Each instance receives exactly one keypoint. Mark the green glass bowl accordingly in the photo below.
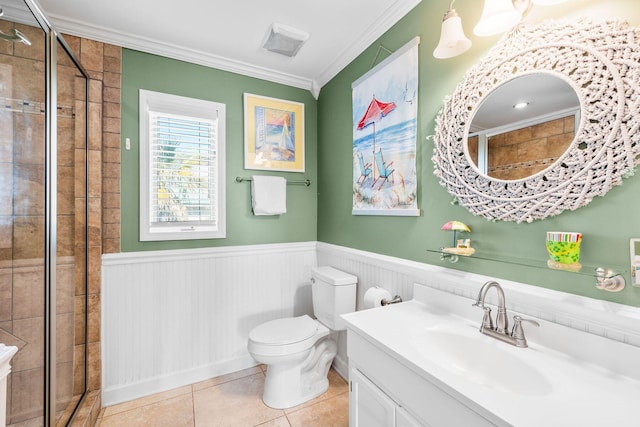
(563, 252)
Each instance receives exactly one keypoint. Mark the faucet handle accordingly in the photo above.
(518, 332)
(487, 323)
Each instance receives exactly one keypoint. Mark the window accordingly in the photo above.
(182, 168)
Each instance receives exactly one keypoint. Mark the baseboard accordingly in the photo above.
(125, 393)
(341, 366)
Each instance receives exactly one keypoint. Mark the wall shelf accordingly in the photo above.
(600, 273)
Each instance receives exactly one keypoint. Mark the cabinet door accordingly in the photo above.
(403, 419)
(368, 405)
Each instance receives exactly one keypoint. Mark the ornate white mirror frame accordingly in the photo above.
(601, 61)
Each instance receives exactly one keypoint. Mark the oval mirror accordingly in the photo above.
(523, 126)
(593, 59)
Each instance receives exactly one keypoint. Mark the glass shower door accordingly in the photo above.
(71, 242)
(22, 211)
(43, 226)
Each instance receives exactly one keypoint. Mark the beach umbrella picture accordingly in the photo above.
(375, 112)
(384, 127)
(455, 226)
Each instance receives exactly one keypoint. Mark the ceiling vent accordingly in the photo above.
(284, 40)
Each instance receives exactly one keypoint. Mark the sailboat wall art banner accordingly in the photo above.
(273, 134)
(385, 123)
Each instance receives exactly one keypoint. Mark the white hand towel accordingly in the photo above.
(268, 195)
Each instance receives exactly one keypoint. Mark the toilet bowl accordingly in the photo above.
(298, 358)
(298, 351)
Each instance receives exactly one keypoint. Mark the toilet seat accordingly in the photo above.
(286, 336)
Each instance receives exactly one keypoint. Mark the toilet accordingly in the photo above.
(298, 351)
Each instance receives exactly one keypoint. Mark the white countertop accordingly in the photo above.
(565, 377)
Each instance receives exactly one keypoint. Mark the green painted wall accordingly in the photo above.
(323, 211)
(152, 72)
(607, 223)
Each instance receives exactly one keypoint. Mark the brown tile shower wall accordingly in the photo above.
(103, 62)
(22, 219)
(524, 152)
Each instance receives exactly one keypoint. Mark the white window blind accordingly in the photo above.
(182, 184)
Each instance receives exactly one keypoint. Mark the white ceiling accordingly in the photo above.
(228, 34)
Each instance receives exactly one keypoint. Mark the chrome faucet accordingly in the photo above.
(501, 318)
(500, 331)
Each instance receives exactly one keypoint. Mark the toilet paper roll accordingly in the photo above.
(374, 296)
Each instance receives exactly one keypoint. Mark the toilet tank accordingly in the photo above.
(333, 293)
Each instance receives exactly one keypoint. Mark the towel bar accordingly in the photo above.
(306, 182)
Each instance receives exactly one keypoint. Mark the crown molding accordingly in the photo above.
(389, 18)
(143, 44)
(21, 15)
(131, 41)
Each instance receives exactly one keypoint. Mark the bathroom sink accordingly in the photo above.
(481, 360)
(443, 369)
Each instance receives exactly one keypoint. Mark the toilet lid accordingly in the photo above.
(284, 331)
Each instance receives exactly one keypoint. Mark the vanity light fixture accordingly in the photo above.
(453, 41)
(497, 17)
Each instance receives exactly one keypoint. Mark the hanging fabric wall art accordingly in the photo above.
(385, 105)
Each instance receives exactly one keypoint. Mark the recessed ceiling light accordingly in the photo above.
(284, 40)
(520, 105)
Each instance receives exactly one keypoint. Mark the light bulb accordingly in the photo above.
(497, 17)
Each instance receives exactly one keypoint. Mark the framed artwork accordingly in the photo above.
(385, 123)
(273, 134)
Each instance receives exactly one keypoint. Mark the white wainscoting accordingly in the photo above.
(171, 318)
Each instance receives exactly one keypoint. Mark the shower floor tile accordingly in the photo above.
(233, 400)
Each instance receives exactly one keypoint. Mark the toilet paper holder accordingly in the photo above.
(393, 300)
(376, 296)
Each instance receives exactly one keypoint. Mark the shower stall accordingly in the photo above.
(43, 217)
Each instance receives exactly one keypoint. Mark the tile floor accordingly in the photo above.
(233, 400)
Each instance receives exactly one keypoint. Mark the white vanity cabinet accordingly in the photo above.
(424, 363)
(403, 419)
(369, 406)
(385, 392)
